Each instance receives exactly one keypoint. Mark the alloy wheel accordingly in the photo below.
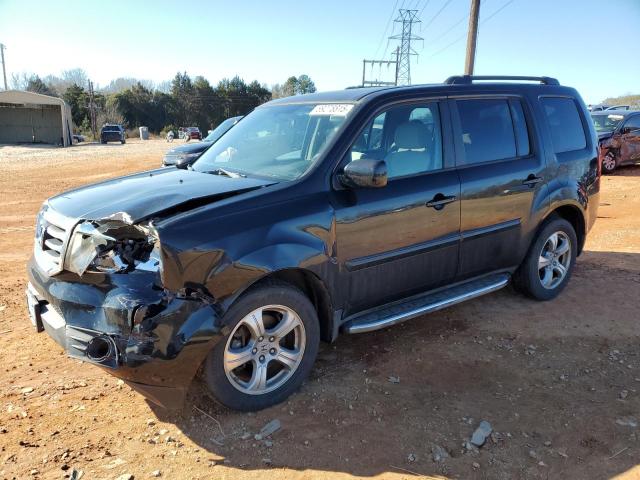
(554, 260)
(264, 350)
(609, 162)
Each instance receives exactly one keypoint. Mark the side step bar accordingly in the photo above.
(416, 306)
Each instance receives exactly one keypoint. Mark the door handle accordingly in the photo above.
(532, 180)
(440, 200)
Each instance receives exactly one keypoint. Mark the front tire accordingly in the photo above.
(270, 350)
(609, 163)
(547, 268)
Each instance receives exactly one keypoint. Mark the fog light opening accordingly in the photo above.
(99, 349)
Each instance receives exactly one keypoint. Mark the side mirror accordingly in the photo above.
(182, 165)
(366, 173)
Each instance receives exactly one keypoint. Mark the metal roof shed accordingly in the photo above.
(27, 117)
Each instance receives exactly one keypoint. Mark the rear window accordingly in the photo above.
(565, 125)
(487, 130)
(111, 129)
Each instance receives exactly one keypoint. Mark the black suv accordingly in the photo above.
(334, 212)
(112, 133)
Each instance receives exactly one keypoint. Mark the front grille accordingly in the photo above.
(52, 236)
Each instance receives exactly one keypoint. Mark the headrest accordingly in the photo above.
(411, 136)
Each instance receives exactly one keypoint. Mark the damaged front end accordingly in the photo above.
(112, 247)
(96, 287)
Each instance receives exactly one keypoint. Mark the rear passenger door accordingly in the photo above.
(502, 174)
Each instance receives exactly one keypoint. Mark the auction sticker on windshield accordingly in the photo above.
(340, 109)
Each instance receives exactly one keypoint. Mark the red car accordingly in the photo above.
(619, 137)
(192, 133)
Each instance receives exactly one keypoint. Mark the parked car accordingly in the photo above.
(327, 213)
(185, 155)
(112, 133)
(192, 133)
(619, 137)
(78, 138)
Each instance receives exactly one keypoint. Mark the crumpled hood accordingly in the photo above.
(136, 197)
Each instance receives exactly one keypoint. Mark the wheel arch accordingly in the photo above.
(310, 284)
(575, 216)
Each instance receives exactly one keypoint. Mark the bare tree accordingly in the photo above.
(75, 75)
(164, 86)
(20, 81)
(124, 83)
(109, 114)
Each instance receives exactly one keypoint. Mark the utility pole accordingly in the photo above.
(377, 82)
(472, 37)
(92, 110)
(4, 71)
(407, 18)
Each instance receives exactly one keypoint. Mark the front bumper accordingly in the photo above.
(157, 340)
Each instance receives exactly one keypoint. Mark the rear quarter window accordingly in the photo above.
(565, 124)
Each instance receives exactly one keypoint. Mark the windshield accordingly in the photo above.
(606, 123)
(281, 142)
(221, 129)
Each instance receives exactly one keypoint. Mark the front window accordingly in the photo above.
(278, 142)
(606, 123)
(407, 137)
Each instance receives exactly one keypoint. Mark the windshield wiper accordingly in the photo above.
(226, 173)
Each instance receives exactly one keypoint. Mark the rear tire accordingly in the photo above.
(547, 268)
(270, 349)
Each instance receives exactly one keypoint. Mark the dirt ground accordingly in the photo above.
(559, 382)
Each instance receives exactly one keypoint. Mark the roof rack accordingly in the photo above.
(469, 79)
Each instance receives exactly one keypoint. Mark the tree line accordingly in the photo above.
(181, 102)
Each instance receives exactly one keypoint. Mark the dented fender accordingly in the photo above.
(230, 255)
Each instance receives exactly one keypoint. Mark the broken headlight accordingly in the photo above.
(112, 247)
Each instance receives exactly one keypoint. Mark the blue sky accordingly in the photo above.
(326, 39)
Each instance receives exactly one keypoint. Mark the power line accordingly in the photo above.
(425, 6)
(437, 14)
(444, 34)
(465, 34)
(496, 12)
(386, 28)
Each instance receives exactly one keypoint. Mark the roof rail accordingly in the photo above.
(469, 79)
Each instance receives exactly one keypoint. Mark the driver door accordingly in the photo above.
(630, 140)
(403, 238)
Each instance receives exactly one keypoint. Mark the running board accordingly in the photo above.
(398, 312)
